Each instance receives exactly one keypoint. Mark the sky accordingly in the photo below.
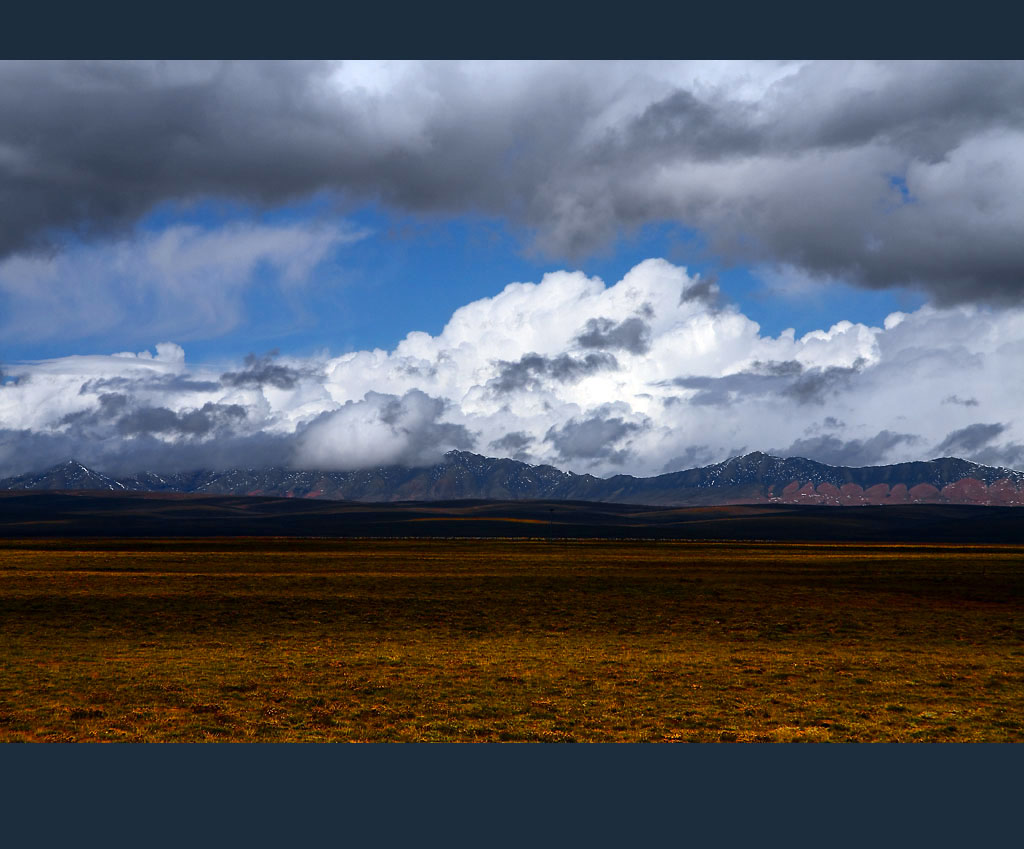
(609, 267)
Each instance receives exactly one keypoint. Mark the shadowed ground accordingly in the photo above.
(117, 514)
(273, 640)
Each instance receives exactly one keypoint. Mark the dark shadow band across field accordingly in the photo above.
(140, 515)
(330, 639)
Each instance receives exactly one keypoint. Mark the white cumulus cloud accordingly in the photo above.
(650, 373)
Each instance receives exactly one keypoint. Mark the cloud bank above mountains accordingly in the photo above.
(653, 373)
(878, 174)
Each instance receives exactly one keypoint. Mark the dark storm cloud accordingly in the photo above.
(692, 458)
(704, 291)
(632, 335)
(963, 402)
(1010, 455)
(881, 174)
(167, 383)
(787, 379)
(91, 146)
(854, 452)
(777, 368)
(761, 379)
(530, 369)
(683, 124)
(928, 106)
(263, 370)
(189, 423)
(592, 438)
(724, 391)
(24, 451)
(513, 445)
(111, 405)
(814, 385)
(115, 413)
(515, 441)
(973, 443)
(968, 440)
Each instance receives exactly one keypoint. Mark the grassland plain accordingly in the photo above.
(499, 640)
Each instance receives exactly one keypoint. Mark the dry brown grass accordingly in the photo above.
(275, 640)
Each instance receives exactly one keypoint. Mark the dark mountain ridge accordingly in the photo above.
(754, 478)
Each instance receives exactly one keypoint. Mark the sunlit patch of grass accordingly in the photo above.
(290, 640)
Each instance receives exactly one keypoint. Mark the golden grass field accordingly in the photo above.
(495, 640)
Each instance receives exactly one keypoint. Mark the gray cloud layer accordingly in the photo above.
(882, 174)
(787, 379)
(37, 451)
(191, 423)
(831, 449)
(531, 369)
(596, 436)
(632, 334)
(263, 370)
(512, 445)
(967, 441)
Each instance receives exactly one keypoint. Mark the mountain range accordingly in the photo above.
(754, 478)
